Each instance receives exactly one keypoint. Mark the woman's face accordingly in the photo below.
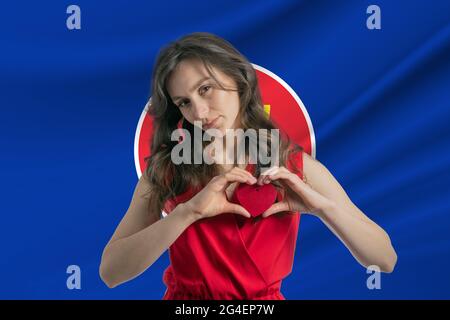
(200, 98)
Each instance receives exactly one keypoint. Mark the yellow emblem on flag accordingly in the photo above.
(267, 110)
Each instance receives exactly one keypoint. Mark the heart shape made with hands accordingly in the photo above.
(255, 198)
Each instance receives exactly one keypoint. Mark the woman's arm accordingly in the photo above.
(367, 241)
(325, 198)
(140, 239)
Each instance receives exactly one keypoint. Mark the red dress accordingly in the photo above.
(230, 257)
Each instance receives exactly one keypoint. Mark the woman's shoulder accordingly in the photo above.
(307, 167)
(304, 165)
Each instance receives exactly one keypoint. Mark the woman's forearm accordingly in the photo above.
(368, 242)
(126, 258)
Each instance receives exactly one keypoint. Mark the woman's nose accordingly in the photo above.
(200, 110)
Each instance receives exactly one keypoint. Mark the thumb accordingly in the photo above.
(275, 208)
(235, 208)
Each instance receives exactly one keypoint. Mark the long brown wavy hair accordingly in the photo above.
(166, 178)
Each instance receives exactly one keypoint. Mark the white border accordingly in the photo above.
(257, 67)
(136, 140)
(298, 100)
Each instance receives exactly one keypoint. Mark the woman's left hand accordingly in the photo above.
(297, 195)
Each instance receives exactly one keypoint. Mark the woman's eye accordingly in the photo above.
(204, 89)
(181, 105)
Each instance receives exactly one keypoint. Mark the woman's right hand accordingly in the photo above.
(212, 199)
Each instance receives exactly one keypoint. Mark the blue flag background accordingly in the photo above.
(71, 100)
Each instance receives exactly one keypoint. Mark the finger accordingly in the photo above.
(300, 178)
(275, 208)
(265, 172)
(242, 177)
(248, 176)
(264, 179)
(270, 170)
(282, 168)
(225, 180)
(243, 172)
(231, 178)
(289, 178)
(237, 209)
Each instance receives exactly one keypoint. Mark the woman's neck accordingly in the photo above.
(225, 159)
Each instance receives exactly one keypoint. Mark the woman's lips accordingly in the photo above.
(212, 124)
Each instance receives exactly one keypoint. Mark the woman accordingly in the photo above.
(217, 250)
